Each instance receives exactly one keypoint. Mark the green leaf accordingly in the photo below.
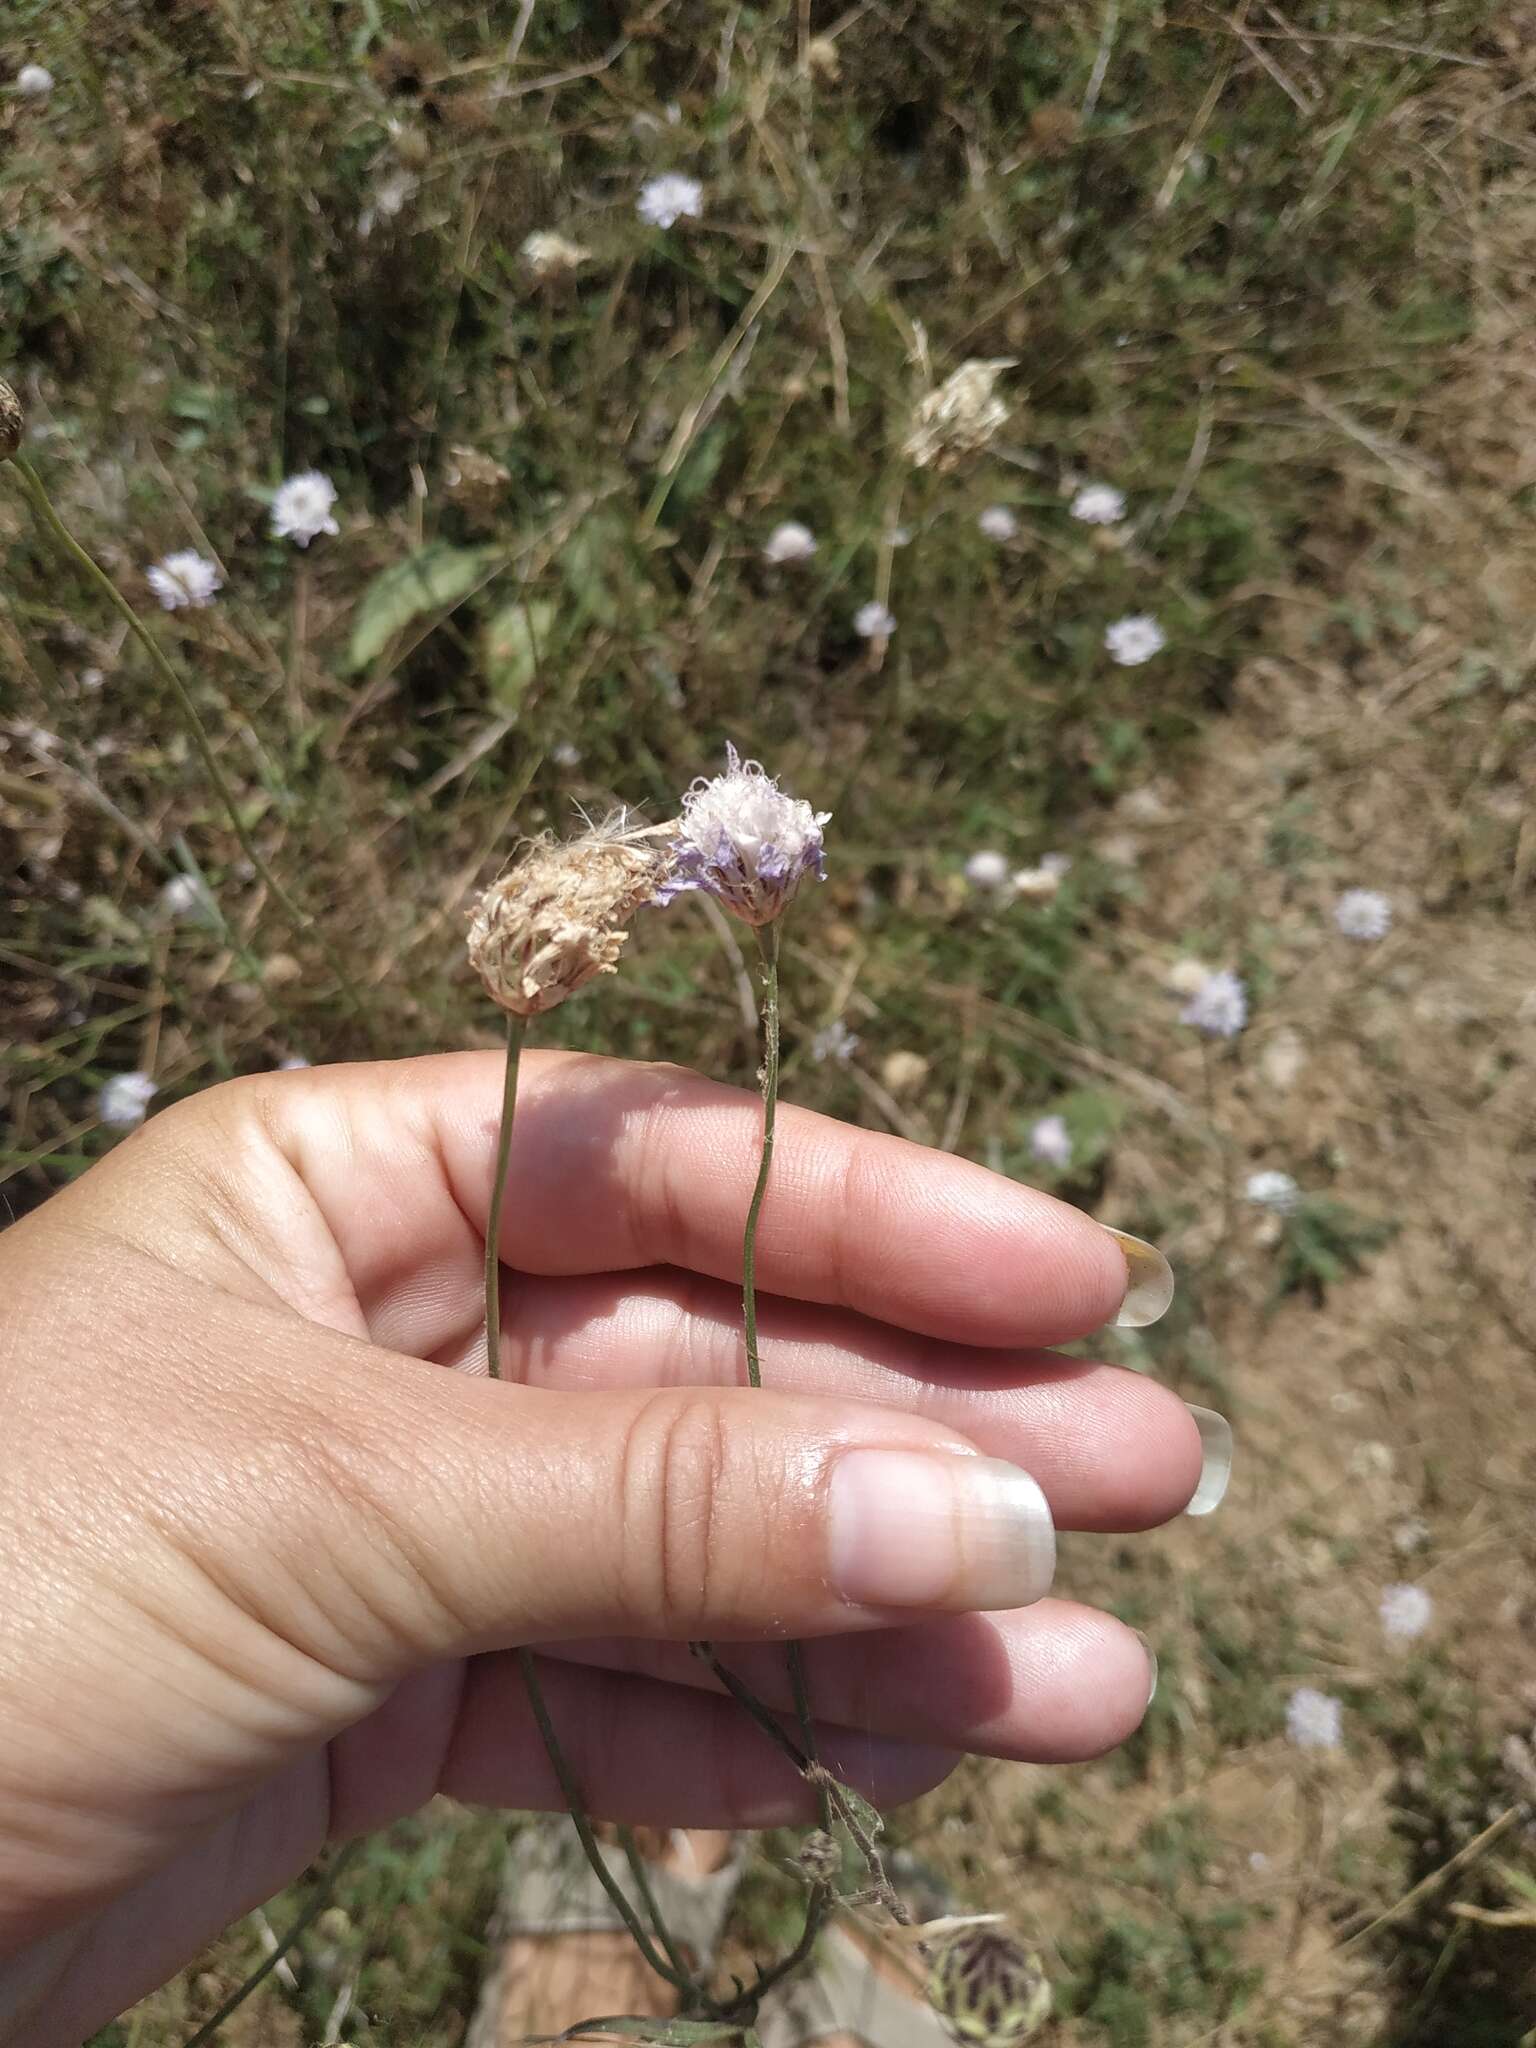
(582, 563)
(857, 1811)
(433, 578)
(514, 643)
(702, 462)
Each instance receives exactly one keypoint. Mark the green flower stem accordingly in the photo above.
(768, 946)
(299, 920)
(642, 1882)
(575, 1804)
(325, 1891)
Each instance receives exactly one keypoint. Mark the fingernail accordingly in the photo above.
(1216, 1460)
(946, 1532)
(1146, 1644)
(1149, 1282)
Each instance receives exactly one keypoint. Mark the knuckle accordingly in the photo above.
(674, 1483)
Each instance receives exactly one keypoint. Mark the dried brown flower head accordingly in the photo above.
(476, 483)
(559, 917)
(960, 417)
(12, 421)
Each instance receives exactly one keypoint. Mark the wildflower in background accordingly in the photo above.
(998, 523)
(1272, 1189)
(124, 1099)
(1040, 884)
(550, 255)
(903, 1072)
(565, 754)
(1405, 1611)
(898, 536)
(986, 870)
(1363, 914)
(1099, 505)
(1313, 1719)
(989, 1988)
(295, 1063)
(743, 840)
(874, 621)
(960, 417)
(1132, 640)
(1411, 1534)
(559, 916)
(1050, 1141)
(184, 578)
(834, 1042)
(182, 895)
(1219, 1006)
(34, 82)
(665, 200)
(789, 542)
(301, 507)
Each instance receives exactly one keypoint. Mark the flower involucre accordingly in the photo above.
(559, 918)
(960, 417)
(742, 839)
(989, 1987)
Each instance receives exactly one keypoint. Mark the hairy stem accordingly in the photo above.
(560, 1763)
(299, 920)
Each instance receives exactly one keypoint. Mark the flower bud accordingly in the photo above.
(12, 421)
(989, 1988)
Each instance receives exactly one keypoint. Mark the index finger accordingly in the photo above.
(618, 1166)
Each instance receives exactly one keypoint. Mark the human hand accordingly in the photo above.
(267, 1532)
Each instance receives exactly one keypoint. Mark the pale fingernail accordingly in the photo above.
(1146, 1644)
(946, 1532)
(1149, 1282)
(1215, 1460)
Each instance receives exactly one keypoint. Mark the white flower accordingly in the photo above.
(565, 754)
(1271, 1189)
(1050, 1141)
(292, 1065)
(986, 870)
(1363, 914)
(743, 840)
(1039, 884)
(898, 536)
(184, 578)
(1405, 1611)
(1219, 1006)
(1099, 505)
(1410, 1534)
(301, 507)
(666, 199)
(998, 523)
(551, 255)
(789, 542)
(834, 1041)
(1313, 1719)
(182, 895)
(387, 200)
(1134, 639)
(960, 417)
(34, 82)
(873, 621)
(124, 1099)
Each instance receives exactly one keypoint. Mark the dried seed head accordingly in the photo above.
(989, 1988)
(12, 421)
(960, 417)
(820, 1859)
(558, 918)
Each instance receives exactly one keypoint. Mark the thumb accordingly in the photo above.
(470, 1514)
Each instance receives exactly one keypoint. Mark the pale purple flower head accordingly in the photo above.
(34, 81)
(1272, 1189)
(184, 579)
(743, 840)
(1313, 1719)
(1219, 1006)
(124, 1099)
(1405, 1612)
(1363, 914)
(1099, 505)
(790, 541)
(301, 507)
(998, 523)
(835, 1042)
(987, 869)
(874, 621)
(665, 199)
(1134, 639)
(1050, 1141)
